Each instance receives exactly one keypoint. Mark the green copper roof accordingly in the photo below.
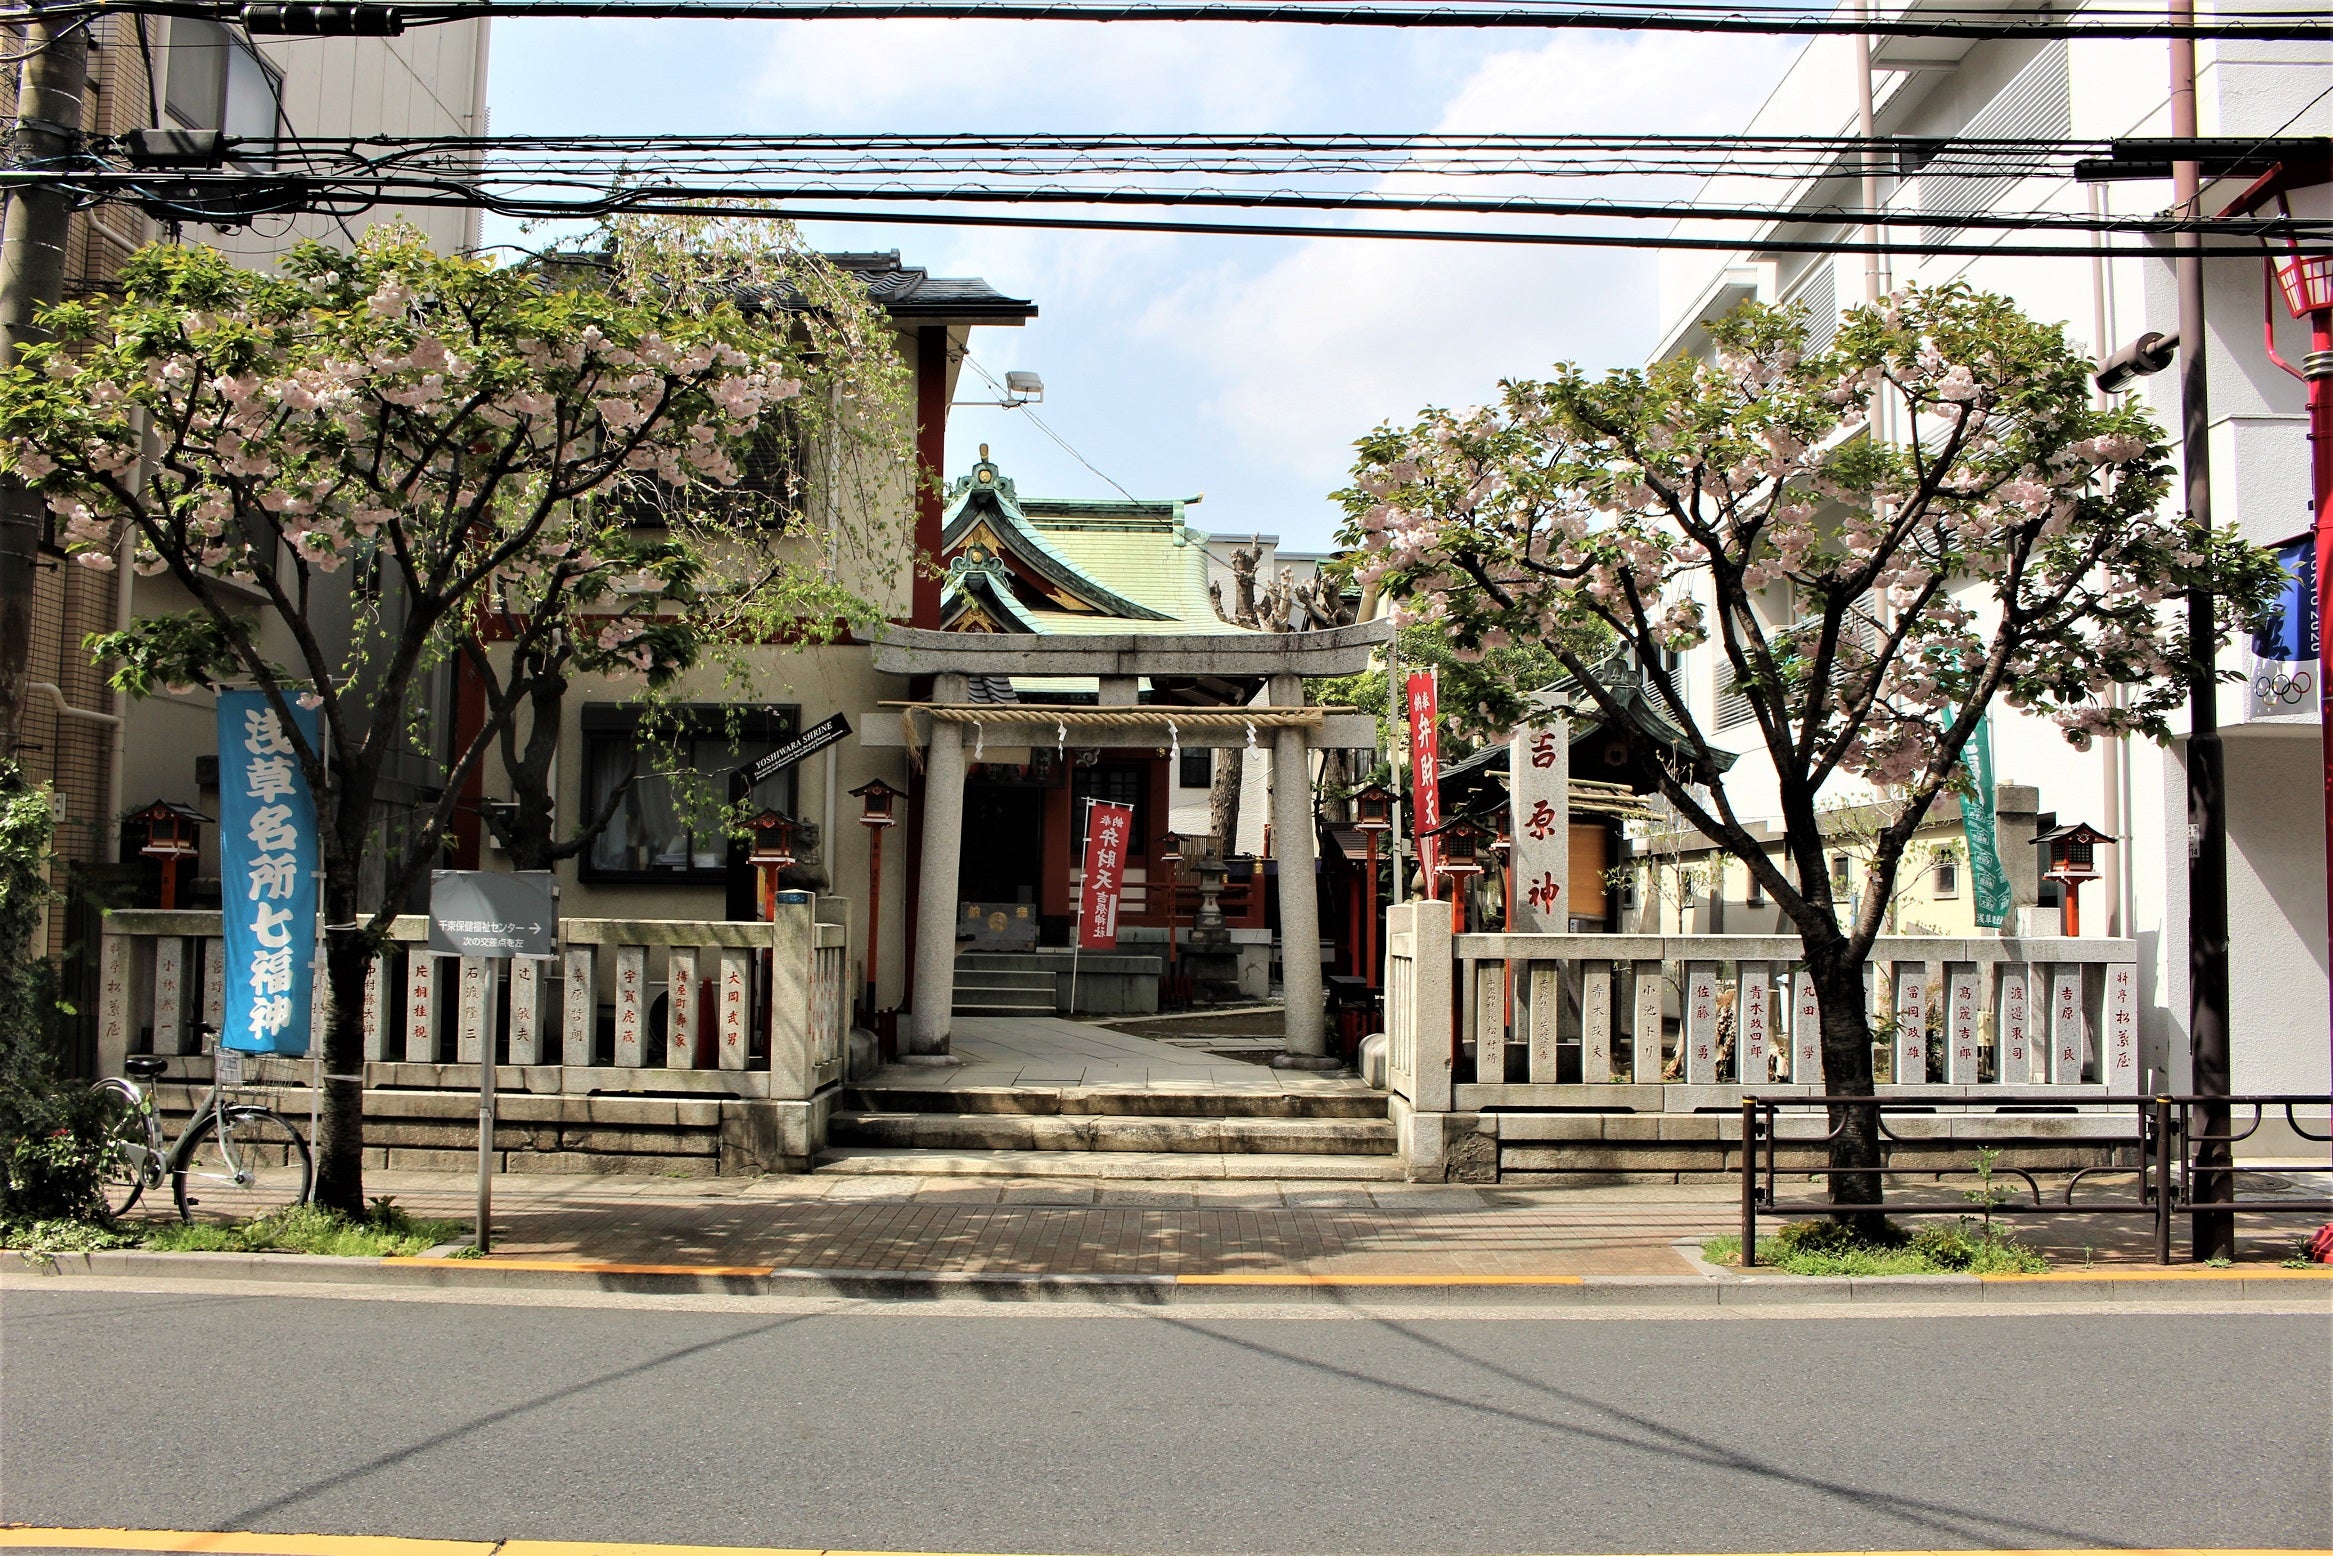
(1127, 561)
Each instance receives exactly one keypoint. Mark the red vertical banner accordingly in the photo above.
(1425, 772)
(1108, 829)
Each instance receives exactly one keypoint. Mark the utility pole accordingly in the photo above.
(2214, 1231)
(32, 276)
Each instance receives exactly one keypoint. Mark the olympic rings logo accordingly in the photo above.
(2290, 690)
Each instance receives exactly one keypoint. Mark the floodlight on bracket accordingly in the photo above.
(1020, 388)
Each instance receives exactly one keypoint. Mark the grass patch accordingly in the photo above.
(1827, 1248)
(382, 1231)
(45, 1238)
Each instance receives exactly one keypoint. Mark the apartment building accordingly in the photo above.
(1938, 89)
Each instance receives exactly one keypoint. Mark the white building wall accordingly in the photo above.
(2260, 482)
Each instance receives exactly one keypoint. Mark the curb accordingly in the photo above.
(423, 1272)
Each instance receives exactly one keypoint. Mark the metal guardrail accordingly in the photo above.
(2170, 1172)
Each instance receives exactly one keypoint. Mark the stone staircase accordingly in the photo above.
(1003, 983)
(1098, 1132)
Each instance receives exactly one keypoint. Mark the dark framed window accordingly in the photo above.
(659, 831)
(1198, 768)
(1118, 783)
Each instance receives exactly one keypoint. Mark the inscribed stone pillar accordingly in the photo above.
(1292, 841)
(1539, 797)
(934, 994)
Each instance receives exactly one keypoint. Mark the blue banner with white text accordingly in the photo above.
(267, 876)
(2282, 664)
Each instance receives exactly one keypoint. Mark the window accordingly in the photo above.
(1119, 783)
(659, 830)
(773, 481)
(1948, 877)
(1841, 876)
(1198, 768)
(215, 81)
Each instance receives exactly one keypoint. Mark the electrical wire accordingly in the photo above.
(1965, 21)
(1043, 425)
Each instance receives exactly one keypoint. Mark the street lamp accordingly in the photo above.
(2307, 283)
(877, 805)
(1373, 818)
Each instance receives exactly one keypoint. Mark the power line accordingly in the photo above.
(539, 196)
(1967, 21)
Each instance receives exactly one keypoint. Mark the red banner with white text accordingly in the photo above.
(1425, 772)
(1108, 830)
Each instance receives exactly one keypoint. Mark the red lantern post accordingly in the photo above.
(877, 811)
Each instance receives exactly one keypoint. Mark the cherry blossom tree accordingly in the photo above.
(348, 466)
(1874, 541)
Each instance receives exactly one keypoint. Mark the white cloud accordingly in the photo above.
(1308, 352)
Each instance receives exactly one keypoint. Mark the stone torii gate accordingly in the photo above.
(1281, 660)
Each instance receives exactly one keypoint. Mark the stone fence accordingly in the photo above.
(1544, 1053)
(744, 1025)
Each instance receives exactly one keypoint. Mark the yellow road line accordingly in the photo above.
(2157, 1272)
(245, 1543)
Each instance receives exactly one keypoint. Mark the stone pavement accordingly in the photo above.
(1072, 1227)
(1049, 1051)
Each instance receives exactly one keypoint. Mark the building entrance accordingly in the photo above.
(1004, 843)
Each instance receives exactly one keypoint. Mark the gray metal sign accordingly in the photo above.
(489, 913)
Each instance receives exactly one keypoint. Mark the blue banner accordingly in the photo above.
(267, 876)
(2282, 666)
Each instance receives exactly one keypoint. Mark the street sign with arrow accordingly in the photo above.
(493, 914)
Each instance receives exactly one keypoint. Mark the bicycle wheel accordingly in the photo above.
(256, 1165)
(130, 1151)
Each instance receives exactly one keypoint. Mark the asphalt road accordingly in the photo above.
(893, 1428)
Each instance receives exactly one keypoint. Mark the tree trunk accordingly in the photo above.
(1223, 799)
(340, 1143)
(1846, 1026)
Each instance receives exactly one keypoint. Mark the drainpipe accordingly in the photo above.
(1874, 274)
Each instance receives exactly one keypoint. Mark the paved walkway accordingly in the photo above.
(1085, 1227)
(1048, 1051)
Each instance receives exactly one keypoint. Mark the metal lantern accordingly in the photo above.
(773, 841)
(1461, 848)
(1373, 808)
(2070, 865)
(877, 802)
(172, 831)
(2307, 280)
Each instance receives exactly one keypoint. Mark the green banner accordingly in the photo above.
(1987, 880)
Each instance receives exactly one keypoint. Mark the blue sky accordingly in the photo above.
(1238, 367)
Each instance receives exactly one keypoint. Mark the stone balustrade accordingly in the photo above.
(1497, 1027)
(671, 1008)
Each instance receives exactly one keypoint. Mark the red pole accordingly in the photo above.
(1369, 918)
(2317, 367)
(874, 918)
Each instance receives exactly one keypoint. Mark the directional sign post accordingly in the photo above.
(499, 916)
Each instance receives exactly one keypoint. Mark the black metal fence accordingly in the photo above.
(2177, 1168)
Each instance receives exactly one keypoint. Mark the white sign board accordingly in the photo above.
(1539, 777)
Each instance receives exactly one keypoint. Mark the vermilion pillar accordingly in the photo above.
(931, 460)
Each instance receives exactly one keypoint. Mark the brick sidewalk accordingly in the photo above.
(1056, 1226)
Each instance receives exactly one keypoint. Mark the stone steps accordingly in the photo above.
(1086, 1133)
(1144, 1166)
(1147, 1103)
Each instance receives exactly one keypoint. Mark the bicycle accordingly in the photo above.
(237, 1158)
